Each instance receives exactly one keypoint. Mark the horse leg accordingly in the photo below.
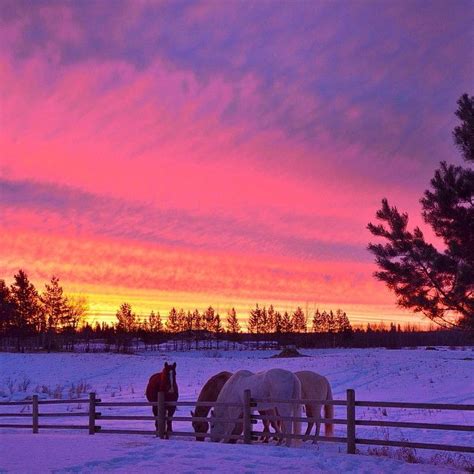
(275, 423)
(169, 423)
(286, 427)
(309, 414)
(318, 422)
(238, 429)
(272, 423)
(155, 413)
(266, 427)
(279, 427)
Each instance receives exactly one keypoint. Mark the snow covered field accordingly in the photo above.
(442, 376)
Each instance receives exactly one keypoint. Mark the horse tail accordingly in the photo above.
(329, 414)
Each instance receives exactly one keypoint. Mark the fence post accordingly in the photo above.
(351, 418)
(35, 413)
(92, 402)
(161, 422)
(247, 418)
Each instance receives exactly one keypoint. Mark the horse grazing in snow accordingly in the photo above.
(271, 384)
(313, 387)
(209, 393)
(164, 381)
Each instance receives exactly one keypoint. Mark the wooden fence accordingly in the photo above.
(247, 419)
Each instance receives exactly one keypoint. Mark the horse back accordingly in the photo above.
(213, 387)
(313, 385)
(234, 387)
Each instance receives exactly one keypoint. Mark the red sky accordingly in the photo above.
(224, 153)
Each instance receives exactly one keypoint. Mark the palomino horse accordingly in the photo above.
(313, 387)
(209, 393)
(164, 381)
(272, 384)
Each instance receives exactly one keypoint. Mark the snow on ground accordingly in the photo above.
(68, 453)
(442, 376)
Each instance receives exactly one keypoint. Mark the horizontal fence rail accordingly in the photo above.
(303, 401)
(427, 406)
(247, 418)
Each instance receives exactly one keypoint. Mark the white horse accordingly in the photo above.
(272, 384)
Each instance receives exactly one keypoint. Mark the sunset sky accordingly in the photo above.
(221, 152)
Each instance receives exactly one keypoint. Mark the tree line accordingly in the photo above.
(262, 320)
(51, 320)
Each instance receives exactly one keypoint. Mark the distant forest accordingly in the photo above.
(53, 321)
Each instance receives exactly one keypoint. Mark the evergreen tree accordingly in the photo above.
(208, 319)
(438, 284)
(197, 320)
(233, 325)
(7, 308)
(172, 323)
(264, 329)
(298, 320)
(127, 319)
(463, 134)
(286, 323)
(318, 322)
(331, 322)
(181, 320)
(343, 324)
(254, 323)
(189, 321)
(198, 326)
(271, 320)
(28, 315)
(278, 323)
(217, 326)
(154, 322)
(55, 307)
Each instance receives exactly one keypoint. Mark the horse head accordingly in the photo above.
(218, 429)
(199, 427)
(169, 378)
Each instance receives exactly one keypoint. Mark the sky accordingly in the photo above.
(227, 153)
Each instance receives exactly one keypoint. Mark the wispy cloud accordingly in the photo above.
(68, 211)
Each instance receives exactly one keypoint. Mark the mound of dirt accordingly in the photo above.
(288, 352)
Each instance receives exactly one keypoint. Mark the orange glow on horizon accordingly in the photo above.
(81, 262)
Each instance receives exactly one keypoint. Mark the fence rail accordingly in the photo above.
(246, 419)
